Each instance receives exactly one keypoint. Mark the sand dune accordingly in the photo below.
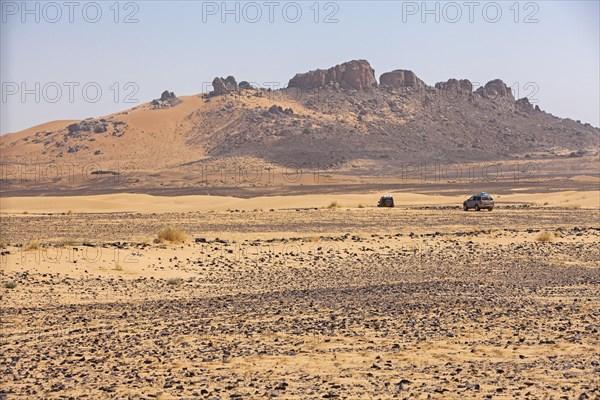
(124, 202)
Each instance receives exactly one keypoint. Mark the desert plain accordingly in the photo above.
(301, 297)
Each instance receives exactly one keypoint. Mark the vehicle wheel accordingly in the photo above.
(465, 208)
(490, 209)
(388, 203)
(477, 207)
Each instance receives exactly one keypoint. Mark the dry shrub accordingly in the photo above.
(175, 281)
(118, 267)
(544, 237)
(361, 206)
(10, 284)
(171, 234)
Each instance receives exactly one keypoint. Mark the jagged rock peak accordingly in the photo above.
(461, 85)
(495, 89)
(224, 85)
(166, 95)
(352, 75)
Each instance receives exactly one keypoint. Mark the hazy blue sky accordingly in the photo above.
(182, 46)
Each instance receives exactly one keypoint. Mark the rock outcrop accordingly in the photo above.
(454, 89)
(167, 99)
(223, 86)
(88, 125)
(495, 89)
(352, 75)
(524, 105)
(401, 78)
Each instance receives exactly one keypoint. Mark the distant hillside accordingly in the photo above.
(323, 118)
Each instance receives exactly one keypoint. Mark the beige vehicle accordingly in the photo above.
(479, 202)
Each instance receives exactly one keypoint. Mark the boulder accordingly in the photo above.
(275, 109)
(74, 128)
(401, 78)
(352, 75)
(495, 89)
(99, 128)
(245, 85)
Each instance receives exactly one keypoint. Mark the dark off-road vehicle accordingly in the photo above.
(386, 201)
(479, 202)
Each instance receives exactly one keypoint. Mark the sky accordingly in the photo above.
(79, 59)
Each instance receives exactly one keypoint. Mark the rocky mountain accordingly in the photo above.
(343, 113)
(323, 117)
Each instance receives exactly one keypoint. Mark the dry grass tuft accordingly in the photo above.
(474, 229)
(544, 237)
(35, 245)
(171, 234)
(558, 234)
(334, 204)
(361, 206)
(67, 243)
(118, 267)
